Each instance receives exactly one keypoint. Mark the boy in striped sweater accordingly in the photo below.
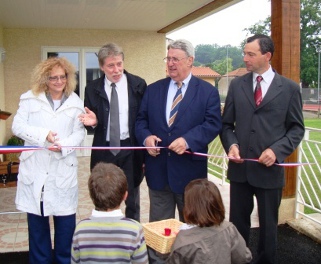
(107, 236)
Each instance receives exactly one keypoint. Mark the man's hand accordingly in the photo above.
(178, 146)
(89, 118)
(234, 154)
(152, 141)
(267, 157)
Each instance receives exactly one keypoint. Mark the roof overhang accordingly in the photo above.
(162, 16)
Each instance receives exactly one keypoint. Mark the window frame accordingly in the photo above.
(81, 60)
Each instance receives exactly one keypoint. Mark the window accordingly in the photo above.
(85, 61)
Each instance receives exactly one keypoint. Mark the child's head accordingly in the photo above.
(107, 186)
(203, 203)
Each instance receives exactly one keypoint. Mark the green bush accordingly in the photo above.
(15, 141)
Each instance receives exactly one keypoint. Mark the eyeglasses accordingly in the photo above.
(56, 78)
(173, 59)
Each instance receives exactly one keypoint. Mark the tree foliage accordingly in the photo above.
(215, 57)
(205, 53)
(222, 66)
(261, 27)
(310, 43)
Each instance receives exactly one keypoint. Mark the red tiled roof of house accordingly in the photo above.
(237, 72)
(204, 72)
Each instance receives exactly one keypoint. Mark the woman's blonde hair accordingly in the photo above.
(40, 75)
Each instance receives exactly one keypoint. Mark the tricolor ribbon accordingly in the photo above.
(19, 149)
(284, 164)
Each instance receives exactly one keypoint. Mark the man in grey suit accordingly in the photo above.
(262, 120)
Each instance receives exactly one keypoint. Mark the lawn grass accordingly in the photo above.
(313, 122)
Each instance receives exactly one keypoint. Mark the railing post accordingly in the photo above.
(224, 169)
(298, 176)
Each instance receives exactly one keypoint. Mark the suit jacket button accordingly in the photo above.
(250, 148)
(169, 134)
(169, 154)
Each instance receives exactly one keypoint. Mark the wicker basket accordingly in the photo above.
(154, 234)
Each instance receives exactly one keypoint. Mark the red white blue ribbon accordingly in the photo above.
(19, 149)
(284, 164)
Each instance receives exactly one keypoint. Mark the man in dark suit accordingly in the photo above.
(262, 119)
(98, 95)
(196, 123)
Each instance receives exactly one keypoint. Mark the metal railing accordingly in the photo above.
(308, 192)
(217, 165)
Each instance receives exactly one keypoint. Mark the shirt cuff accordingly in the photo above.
(233, 145)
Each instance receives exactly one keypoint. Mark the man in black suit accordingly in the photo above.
(98, 95)
(268, 126)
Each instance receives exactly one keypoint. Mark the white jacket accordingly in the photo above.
(56, 171)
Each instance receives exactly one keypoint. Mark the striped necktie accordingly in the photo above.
(258, 91)
(177, 99)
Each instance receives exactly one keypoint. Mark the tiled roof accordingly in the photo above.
(204, 72)
(237, 72)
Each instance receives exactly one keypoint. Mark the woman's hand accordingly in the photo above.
(51, 137)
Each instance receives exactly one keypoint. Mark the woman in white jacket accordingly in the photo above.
(47, 181)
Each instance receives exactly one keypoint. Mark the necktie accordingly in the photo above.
(258, 91)
(114, 134)
(177, 99)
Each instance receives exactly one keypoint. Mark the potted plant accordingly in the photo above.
(13, 141)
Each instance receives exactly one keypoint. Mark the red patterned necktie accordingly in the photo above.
(258, 91)
(177, 99)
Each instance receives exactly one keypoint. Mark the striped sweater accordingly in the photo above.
(108, 240)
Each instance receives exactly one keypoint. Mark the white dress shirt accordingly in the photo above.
(172, 91)
(114, 213)
(266, 82)
(122, 92)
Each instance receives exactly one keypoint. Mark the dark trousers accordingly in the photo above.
(124, 160)
(241, 207)
(162, 206)
(40, 247)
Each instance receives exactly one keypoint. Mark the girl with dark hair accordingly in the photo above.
(206, 237)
